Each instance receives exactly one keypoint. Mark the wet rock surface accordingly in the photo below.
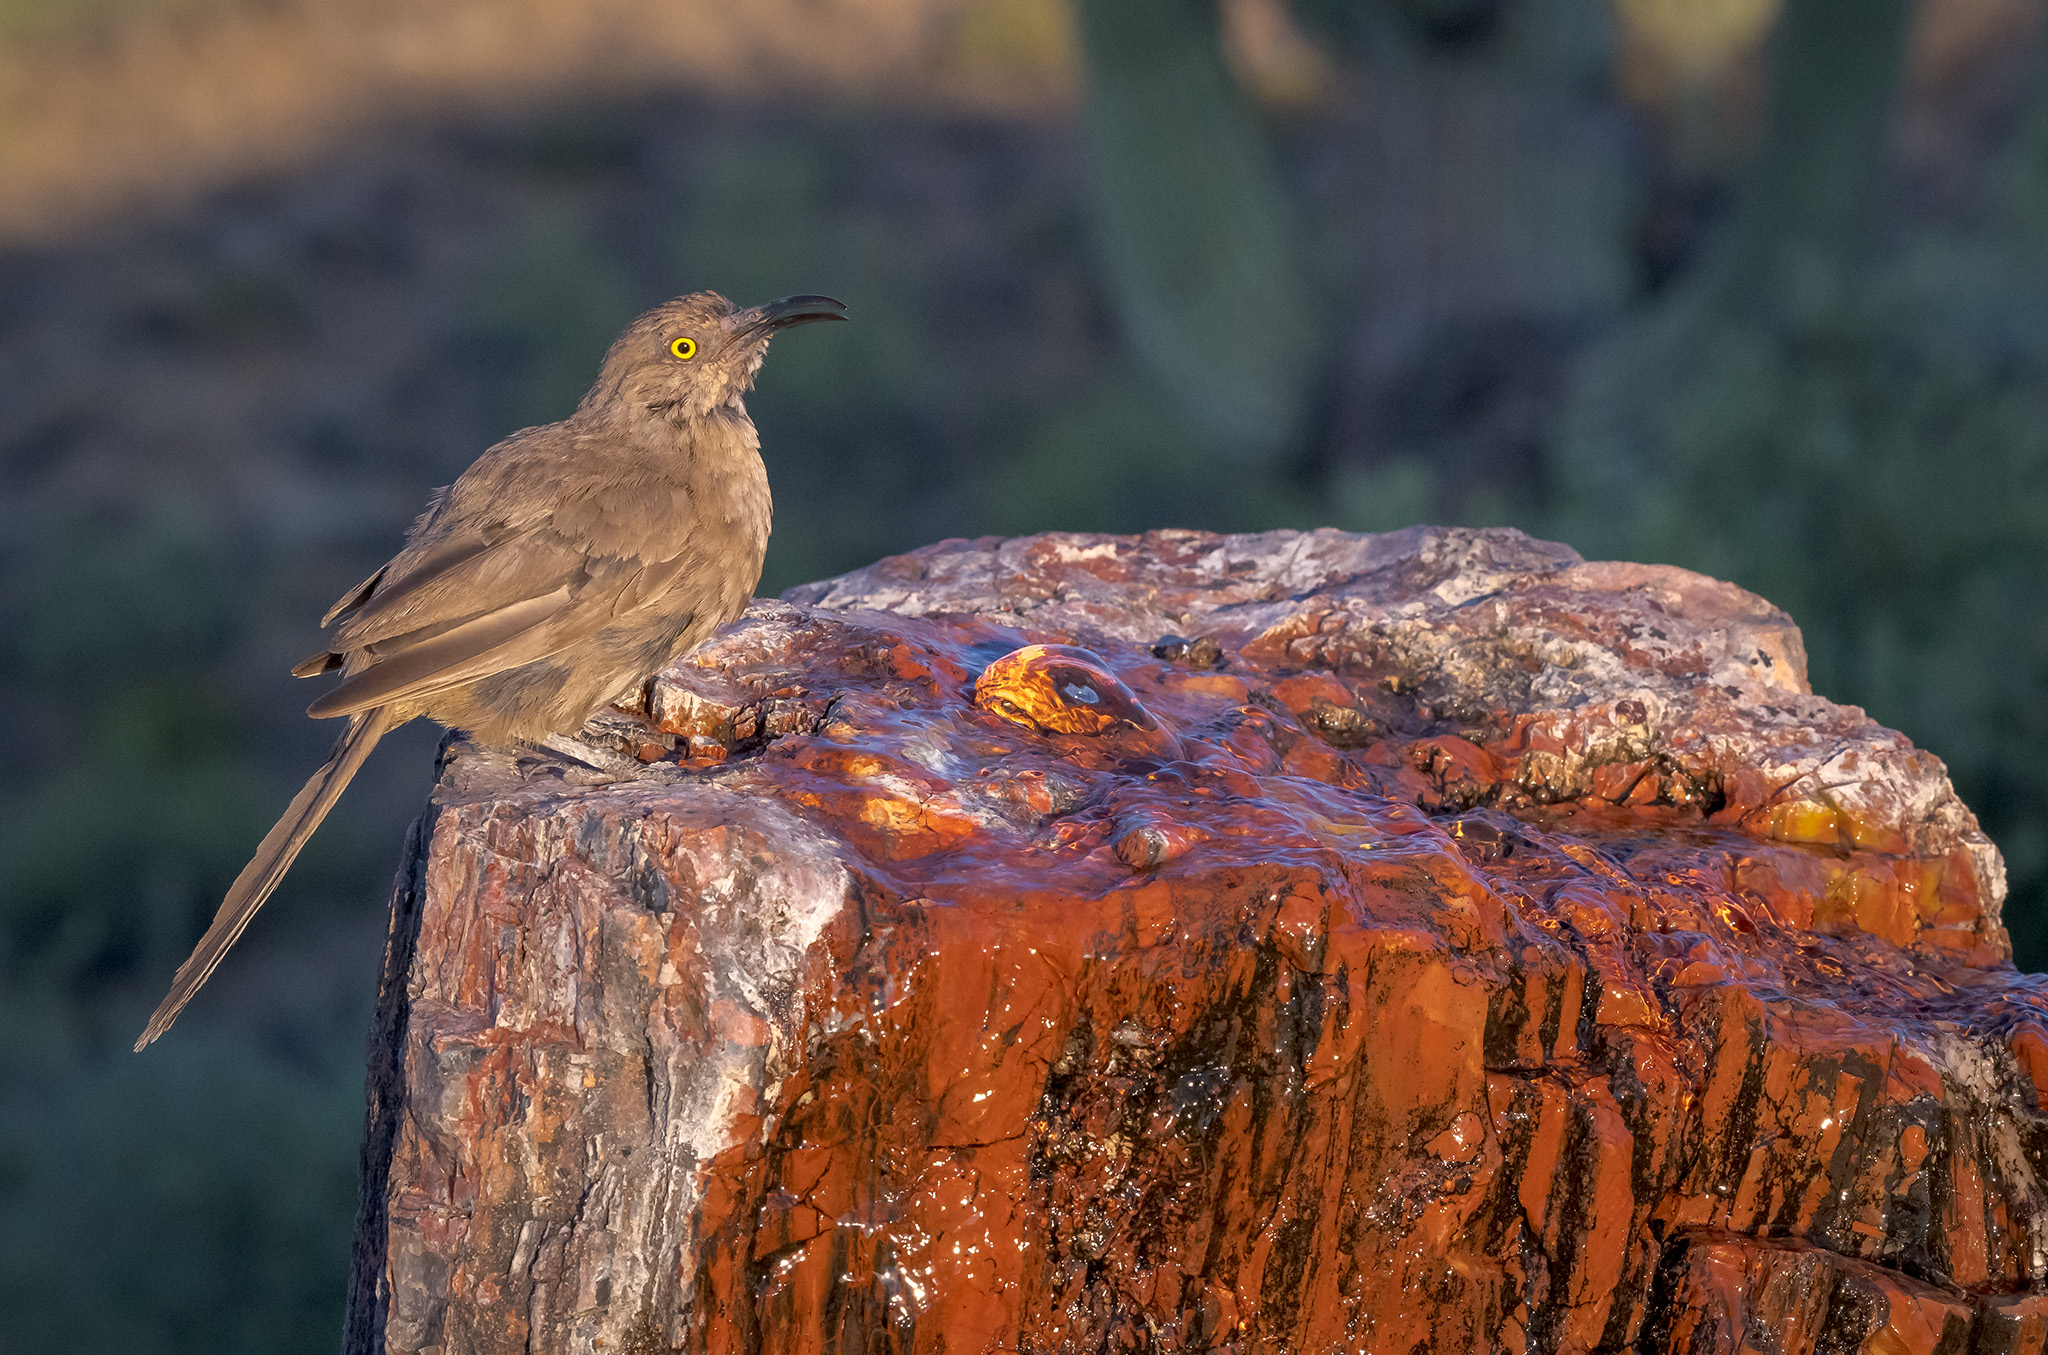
(1294, 942)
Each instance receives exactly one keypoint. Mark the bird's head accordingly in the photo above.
(688, 356)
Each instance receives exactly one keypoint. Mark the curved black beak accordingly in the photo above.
(790, 311)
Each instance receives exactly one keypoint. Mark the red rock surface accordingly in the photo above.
(1297, 942)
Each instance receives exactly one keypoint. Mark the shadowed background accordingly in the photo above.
(1756, 287)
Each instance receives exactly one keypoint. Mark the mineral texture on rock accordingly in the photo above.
(1295, 942)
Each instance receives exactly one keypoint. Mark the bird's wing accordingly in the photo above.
(376, 609)
(443, 656)
(355, 596)
(495, 592)
(474, 542)
(455, 580)
(469, 610)
(510, 633)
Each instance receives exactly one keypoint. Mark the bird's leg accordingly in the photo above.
(629, 732)
(590, 755)
(613, 741)
(622, 722)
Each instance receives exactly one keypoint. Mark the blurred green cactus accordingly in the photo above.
(1200, 254)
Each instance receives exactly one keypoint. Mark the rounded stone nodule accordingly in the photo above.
(1059, 689)
(1146, 842)
(1145, 847)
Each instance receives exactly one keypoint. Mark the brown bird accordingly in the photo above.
(558, 572)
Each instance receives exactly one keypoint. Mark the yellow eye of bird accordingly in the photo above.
(684, 348)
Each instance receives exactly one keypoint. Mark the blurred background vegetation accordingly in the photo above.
(1754, 286)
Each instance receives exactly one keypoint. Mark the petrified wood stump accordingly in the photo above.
(1422, 942)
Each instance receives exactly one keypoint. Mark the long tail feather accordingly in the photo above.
(267, 868)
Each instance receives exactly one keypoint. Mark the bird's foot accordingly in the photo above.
(614, 743)
(590, 755)
(630, 733)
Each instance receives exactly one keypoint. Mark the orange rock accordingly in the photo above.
(1457, 947)
(1720, 1294)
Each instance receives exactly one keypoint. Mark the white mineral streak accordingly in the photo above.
(767, 888)
(599, 893)
(1978, 1087)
